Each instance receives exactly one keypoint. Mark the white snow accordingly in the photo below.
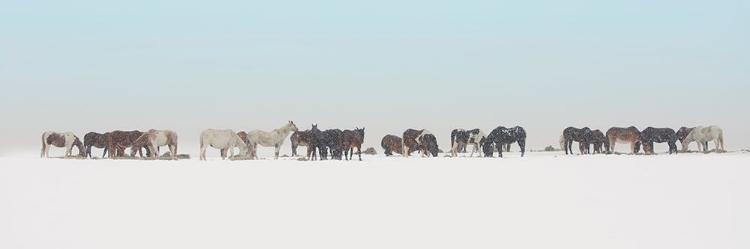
(544, 200)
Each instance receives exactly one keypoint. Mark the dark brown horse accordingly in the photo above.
(353, 139)
(118, 141)
(423, 140)
(583, 136)
(390, 144)
(652, 135)
(621, 135)
(599, 141)
(98, 140)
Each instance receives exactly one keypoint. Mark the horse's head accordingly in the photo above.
(638, 147)
(487, 147)
(430, 142)
(292, 126)
(79, 145)
(682, 133)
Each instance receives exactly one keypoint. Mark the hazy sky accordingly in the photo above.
(386, 65)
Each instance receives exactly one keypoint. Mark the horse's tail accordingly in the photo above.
(44, 144)
(453, 137)
(721, 140)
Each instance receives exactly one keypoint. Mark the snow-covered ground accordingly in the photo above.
(543, 200)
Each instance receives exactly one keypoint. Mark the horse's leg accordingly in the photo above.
(522, 144)
(276, 155)
(499, 147)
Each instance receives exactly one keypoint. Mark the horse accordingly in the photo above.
(390, 144)
(334, 139)
(583, 136)
(500, 136)
(460, 138)
(683, 132)
(652, 135)
(98, 140)
(422, 140)
(353, 139)
(243, 137)
(63, 140)
(702, 135)
(222, 140)
(296, 139)
(600, 140)
(118, 141)
(153, 139)
(621, 135)
(273, 138)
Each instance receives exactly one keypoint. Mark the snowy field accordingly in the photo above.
(544, 200)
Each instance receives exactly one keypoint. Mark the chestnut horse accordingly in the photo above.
(390, 144)
(153, 139)
(621, 135)
(98, 140)
(423, 140)
(63, 140)
(118, 141)
(353, 139)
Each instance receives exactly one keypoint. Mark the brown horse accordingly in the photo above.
(353, 139)
(390, 144)
(629, 135)
(98, 140)
(64, 140)
(423, 140)
(599, 141)
(118, 141)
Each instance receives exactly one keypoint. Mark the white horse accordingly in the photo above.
(64, 140)
(154, 139)
(221, 139)
(702, 135)
(475, 137)
(274, 138)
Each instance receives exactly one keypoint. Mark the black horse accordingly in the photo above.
(583, 136)
(652, 135)
(93, 139)
(333, 140)
(500, 136)
(318, 143)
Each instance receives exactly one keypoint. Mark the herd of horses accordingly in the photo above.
(339, 144)
(605, 142)
(425, 142)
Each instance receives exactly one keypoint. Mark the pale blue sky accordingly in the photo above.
(385, 65)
